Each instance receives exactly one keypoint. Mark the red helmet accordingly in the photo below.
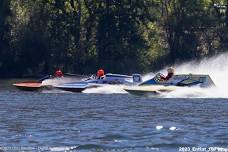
(100, 73)
(58, 73)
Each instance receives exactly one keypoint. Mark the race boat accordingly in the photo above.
(32, 85)
(48, 81)
(94, 82)
(158, 86)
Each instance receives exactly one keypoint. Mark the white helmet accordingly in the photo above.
(170, 70)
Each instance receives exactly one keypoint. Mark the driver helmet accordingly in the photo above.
(58, 73)
(100, 73)
(170, 70)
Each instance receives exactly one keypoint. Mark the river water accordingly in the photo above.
(57, 121)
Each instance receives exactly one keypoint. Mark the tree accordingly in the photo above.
(5, 53)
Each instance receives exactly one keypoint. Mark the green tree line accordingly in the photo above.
(121, 36)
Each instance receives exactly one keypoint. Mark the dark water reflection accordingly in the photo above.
(118, 122)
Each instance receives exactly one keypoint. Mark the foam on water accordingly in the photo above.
(159, 127)
(106, 89)
(172, 128)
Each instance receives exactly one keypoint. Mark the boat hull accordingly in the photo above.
(70, 89)
(76, 87)
(29, 86)
(149, 90)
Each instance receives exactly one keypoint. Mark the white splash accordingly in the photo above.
(159, 127)
(57, 81)
(215, 67)
(106, 89)
(172, 128)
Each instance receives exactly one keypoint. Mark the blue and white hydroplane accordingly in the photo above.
(94, 82)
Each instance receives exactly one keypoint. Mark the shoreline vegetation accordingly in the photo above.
(120, 36)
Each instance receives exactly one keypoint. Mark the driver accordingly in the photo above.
(58, 73)
(100, 73)
(170, 71)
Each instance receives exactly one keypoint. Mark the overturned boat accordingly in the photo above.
(94, 82)
(158, 86)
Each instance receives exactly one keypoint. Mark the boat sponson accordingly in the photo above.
(71, 89)
(149, 89)
(29, 86)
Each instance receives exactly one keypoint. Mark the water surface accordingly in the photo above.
(57, 121)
